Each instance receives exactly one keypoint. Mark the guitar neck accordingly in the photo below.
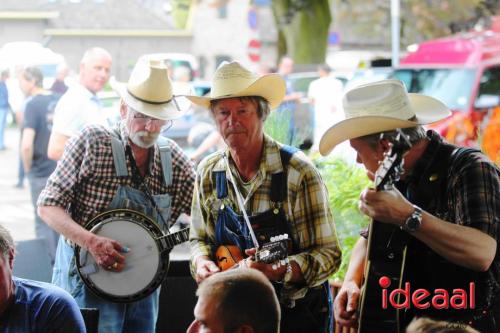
(176, 238)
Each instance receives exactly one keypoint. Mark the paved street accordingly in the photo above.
(15, 204)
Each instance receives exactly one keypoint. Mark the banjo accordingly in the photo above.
(146, 263)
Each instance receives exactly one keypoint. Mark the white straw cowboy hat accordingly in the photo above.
(381, 106)
(149, 90)
(233, 80)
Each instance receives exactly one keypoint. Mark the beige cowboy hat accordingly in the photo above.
(149, 90)
(233, 80)
(381, 106)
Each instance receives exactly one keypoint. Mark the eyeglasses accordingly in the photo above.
(142, 119)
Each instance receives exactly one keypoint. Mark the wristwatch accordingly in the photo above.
(413, 222)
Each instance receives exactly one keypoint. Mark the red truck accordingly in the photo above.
(463, 71)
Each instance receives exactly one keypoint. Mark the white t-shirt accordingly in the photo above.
(77, 108)
(327, 95)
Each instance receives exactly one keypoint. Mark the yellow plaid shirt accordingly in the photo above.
(306, 208)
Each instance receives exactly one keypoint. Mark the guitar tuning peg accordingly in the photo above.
(272, 239)
(280, 237)
(285, 236)
(282, 262)
(274, 267)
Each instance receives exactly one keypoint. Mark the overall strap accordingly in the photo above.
(166, 160)
(279, 186)
(118, 156)
(220, 184)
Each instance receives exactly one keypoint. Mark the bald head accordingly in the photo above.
(95, 68)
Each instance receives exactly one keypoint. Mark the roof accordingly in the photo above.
(87, 14)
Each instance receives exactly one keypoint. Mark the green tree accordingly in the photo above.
(302, 29)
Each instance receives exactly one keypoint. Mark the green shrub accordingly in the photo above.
(344, 183)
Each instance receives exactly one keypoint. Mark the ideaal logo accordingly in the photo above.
(423, 299)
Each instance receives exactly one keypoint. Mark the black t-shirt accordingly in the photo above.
(38, 115)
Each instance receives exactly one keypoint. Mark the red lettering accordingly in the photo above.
(472, 295)
(459, 299)
(419, 295)
(440, 299)
(394, 297)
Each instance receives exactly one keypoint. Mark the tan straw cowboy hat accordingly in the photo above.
(149, 90)
(381, 106)
(233, 80)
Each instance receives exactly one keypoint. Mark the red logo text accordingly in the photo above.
(400, 298)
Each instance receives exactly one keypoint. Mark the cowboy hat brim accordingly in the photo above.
(165, 111)
(271, 87)
(427, 110)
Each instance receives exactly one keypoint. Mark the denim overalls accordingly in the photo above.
(309, 314)
(134, 317)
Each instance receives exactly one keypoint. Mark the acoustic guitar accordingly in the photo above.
(386, 252)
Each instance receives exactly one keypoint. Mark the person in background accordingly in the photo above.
(325, 96)
(33, 306)
(59, 87)
(80, 106)
(279, 189)
(288, 106)
(236, 301)
(4, 105)
(37, 126)
(129, 166)
(445, 208)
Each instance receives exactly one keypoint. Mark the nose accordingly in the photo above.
(152, 125)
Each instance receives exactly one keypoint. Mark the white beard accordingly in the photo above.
(144, 139)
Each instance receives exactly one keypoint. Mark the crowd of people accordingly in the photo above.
(262, 237)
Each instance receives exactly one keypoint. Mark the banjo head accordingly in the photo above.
(145, 267)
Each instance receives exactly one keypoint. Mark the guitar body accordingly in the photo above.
(386, 254)
(383, 262)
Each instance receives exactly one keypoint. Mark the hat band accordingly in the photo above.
(146, 101)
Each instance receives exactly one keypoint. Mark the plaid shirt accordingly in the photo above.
(306, 208)
(85, 179)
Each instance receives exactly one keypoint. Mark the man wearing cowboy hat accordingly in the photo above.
(445, 210)
(274, 188)
(129, 167)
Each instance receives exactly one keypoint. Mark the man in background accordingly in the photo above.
(4, 105)
(37, 126)
(80, 106)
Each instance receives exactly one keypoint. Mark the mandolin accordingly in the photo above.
(276, 251)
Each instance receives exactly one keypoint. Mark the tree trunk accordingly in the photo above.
(302, 29)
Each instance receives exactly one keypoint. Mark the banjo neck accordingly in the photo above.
(175, 238)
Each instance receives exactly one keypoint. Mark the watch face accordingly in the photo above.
(413, 223)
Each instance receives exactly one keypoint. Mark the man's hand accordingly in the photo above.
(272, 274)
(385, 206)
(107, 253)
(346, 304)
(204, 268)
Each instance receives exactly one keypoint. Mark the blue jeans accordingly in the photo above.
(134, 317)
(3, 123)
(42, 230)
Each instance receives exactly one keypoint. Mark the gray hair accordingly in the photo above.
(262, 104)
(6, 241)
(414, 134)
(33, 74)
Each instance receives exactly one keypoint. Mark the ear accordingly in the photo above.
(11, 257)
(123, 109)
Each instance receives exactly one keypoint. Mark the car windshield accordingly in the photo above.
(452, 86)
